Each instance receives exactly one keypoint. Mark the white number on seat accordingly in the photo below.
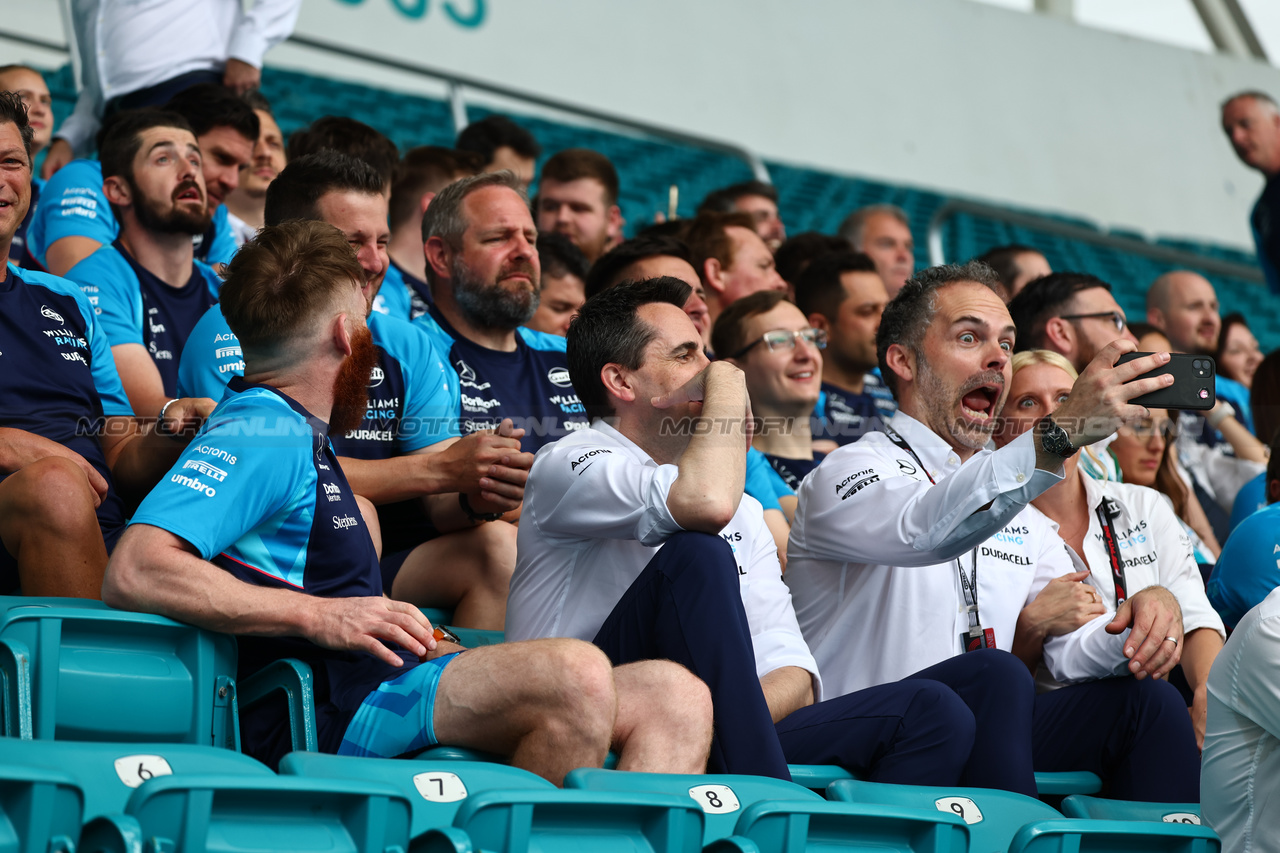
(966, 808)
(440, 787)
(715, 799)
(1182, 817)
(133, 770)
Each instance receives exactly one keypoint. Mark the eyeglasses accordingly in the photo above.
(1114, 316)
(779, 338)
(1146, 428)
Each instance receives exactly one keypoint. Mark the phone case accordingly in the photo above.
(1193, 382)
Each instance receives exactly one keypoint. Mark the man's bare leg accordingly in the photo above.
(664, 718)
(548, 704)
(468, 571)
(48, 523)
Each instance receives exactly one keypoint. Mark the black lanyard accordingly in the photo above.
(968, 583)
(1106, 512)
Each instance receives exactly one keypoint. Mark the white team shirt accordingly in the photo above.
(1240, 773)
(872, 556)
(1155, 551)
(595, 513)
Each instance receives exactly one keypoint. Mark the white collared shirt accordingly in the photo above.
(872, 556)
(122, 46)
(1240, 774)
(595, 513)
(1155, 552)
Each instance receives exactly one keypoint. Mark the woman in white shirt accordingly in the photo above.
(1126, 535)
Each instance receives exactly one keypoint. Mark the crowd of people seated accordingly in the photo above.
(738, 500)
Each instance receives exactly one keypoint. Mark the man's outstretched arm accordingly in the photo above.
(154, 571)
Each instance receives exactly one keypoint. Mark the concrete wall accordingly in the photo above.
(945, 94)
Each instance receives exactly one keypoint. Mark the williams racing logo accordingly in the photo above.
(49, 314)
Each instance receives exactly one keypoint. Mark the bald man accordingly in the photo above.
(1251, 121)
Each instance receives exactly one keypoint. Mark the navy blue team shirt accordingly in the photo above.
(530, 385)
(57, 377)
(259, 493)
(136, 307)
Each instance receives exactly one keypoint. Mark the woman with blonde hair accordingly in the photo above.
(1125, 535)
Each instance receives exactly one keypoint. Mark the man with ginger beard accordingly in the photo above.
(146, 287)
(484, 272)
(256, 532)
(943, 558)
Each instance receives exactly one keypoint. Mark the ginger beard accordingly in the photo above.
(351, 385)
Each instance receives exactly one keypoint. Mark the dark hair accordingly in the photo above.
(907, 316)
(608, 268)
(1264, 399)
(726, 334)
(796, 253)
(282, 278)
(558, 257)
(820, 289)
(300, 185)
(1045, 298)
(492, 132)
(1235, 318)
(258, 101)
(209, 105)
(724, 199)
(426, 169)
(708, 237)
(350, 137)
(574, 163)
(123, 139)
(1004, 260)
(608, 330)
(13, 110)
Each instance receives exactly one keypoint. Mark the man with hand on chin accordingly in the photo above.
(911, 546)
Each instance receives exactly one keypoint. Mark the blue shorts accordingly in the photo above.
(397, 718)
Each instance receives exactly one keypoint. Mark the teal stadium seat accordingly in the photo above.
(108, 773)
(93, 673)
(721, 797)
(436, 789)
(799, 827)
(1113, 836)
(993, 817)
(240, 814)
(569, 822)
(1100, 809)
(40, 809)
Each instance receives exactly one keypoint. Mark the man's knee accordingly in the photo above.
(1150, 698)
(575, 681)
(52, 492)
(699, 555)
(667, 692)
(936, 713)
(497, 544)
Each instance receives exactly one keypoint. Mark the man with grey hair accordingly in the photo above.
(1251, 121)
(945, 560)
(883, 232)
(485, 278)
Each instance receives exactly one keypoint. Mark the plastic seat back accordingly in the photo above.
(436, 789)
(1067, 782)
(721, 797)
(1113, 836)
(1096, 808)
(797, 827)
(993, 816)
(230, 814)
(40, 810)
(108, 773)
(570, 822)
(816, 777)
(108, 675)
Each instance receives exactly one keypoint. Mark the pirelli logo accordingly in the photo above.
(205, 468)
(227, 352)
